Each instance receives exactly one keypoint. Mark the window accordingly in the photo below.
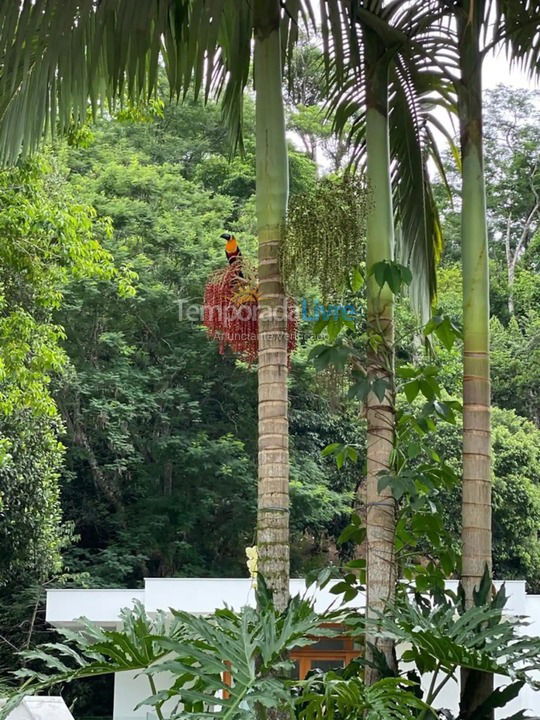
(326, 654)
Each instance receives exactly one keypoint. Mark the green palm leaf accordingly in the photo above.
(516, 26)
(61, 58)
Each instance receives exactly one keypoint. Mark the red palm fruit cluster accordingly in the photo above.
(231, 312)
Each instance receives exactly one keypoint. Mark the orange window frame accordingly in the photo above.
(306, 656)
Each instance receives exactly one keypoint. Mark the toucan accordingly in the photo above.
(232, 251)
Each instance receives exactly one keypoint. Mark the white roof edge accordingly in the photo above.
(213, 580)
(65, 606)
(108, 623)
(137, 591)
(210, 579)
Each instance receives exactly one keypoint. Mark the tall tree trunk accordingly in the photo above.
(513, 256)
(476, 514)
(271, 203)
(381, 510)
(510, 266)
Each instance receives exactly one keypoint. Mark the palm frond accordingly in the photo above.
(60, 58)
(516, 27)
(419, 231)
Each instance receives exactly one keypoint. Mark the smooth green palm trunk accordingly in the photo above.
(380, 506)
(271, 203)
(476, 509)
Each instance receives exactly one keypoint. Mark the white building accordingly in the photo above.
(196, 595)
(40, 708)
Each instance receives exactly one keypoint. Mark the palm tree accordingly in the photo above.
(384, 92)
(437, 48)
(380, 415)
(513, 23)
(62, 57)
(476, 499)
(271, 203)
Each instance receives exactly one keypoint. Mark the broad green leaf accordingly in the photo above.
(379, 273)
(379, 388)
(357, 280)
(411, 390)
(330, 449)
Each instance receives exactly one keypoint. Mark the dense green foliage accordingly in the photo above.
(516, 494)
(513, 184)
(158, 422)
(48, 239)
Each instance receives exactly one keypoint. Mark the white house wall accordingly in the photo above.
(65, 607)
(131, 688)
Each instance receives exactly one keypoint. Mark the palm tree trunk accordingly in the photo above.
(381, 511)
(476, 512)
(271, 203)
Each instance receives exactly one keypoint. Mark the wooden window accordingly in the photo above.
(326, 654)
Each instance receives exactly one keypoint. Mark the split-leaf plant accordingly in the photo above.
(436, 633)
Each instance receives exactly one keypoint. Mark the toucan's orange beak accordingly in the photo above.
(231, 245)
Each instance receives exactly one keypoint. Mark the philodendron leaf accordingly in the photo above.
(498, 699)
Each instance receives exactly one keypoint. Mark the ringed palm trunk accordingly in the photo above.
(380, 506)
(271, 204)
(476, 510)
